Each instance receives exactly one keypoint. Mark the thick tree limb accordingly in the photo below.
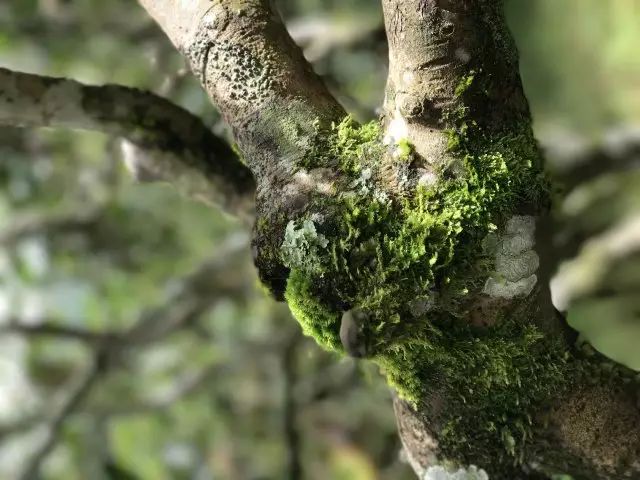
(438, 48)
(162, 141)
(253, 72)
(433, 46)
(456, 112)
(260, 81)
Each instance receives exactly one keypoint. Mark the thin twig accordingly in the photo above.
(75, 398)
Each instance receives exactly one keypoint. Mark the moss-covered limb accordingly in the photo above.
(433, 45)
(416, 259)
(446, 272)
(425, 227)
(492, 356)
(173, 144)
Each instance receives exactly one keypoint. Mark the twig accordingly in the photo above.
(77, 396)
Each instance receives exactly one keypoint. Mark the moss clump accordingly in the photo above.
(315, 318)
(344, 146)
(492, 380)
(413, 261)
(382, 254)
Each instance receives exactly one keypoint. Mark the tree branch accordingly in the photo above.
(76, 397)
(276, 105)
(253, 72)
(455, 95)
(49, 223)
(433, 46)
(163, 141)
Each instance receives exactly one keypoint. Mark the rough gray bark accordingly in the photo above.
(268, 93)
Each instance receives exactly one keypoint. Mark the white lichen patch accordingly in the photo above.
(515, 260)
(440, 473)
(427, 178)
(301, 245)
(303, 181)
(362, 183)
(397, 129)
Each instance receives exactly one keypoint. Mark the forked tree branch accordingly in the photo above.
(258, 78)
(163, 140)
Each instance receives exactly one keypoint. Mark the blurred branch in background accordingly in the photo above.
(49, 223)
(597, 237)
(332, 42)
(321, 36)
(75, 397)
(193, 296)
(163, 141)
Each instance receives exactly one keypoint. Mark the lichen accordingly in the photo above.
(302, 247)
(440, 473)
(412, 262)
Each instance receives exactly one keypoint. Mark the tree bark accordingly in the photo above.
(427, 237)
(420, 241)
(590, 429)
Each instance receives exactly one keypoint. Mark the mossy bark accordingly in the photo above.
(454, 82)
(430, 224)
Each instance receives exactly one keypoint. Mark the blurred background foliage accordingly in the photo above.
(135, 338)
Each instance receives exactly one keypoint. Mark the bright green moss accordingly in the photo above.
(413, 261)
(316, 319)
(404, 149)
(382, 252)
(346, 143)
(492, 380)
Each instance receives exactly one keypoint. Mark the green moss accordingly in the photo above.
(316, 319)
(412, 262)
(347, 143)
(491, 379)
(404, 149)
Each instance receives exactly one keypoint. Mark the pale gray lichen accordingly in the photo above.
(301, 247)
(440, 473)
(422, 304)
(515, 260)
